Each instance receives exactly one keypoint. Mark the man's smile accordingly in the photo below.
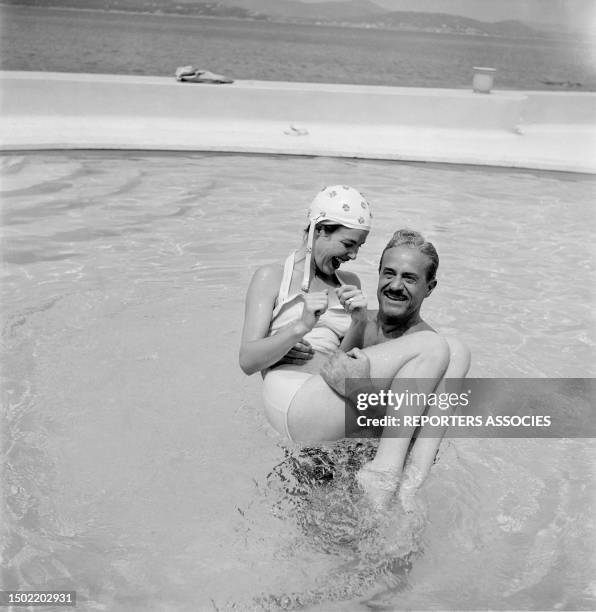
(395, 297)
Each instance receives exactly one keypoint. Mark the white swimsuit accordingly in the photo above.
(281, 384)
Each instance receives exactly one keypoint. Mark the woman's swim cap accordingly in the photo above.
(343, 205)
(336, 204)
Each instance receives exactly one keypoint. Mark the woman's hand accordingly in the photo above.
(315, 304)
(354, 301)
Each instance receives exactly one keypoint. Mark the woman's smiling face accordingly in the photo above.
(332, 248)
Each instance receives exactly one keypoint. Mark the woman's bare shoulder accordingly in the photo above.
(267, 278)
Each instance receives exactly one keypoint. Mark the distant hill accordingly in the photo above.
(557, 16)
(284, 10)
(355, 13)
(444, 23)
(296, 10)
(366, 13)
(158, 7)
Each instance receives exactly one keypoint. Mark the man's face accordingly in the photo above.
(402, 282)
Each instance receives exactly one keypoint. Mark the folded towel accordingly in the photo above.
(192, 75)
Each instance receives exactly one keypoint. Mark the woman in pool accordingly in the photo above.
(308, 304)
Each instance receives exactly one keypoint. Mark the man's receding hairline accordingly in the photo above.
(413, 247)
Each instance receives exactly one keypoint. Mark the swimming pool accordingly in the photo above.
(140, 470)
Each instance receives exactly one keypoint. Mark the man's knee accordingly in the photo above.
(434, 351)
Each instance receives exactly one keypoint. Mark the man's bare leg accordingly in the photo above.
(380, 477)
(425, 449)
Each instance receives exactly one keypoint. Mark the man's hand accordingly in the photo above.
(299, 354)
(353, 364)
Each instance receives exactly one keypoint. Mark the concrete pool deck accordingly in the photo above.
(521, 129)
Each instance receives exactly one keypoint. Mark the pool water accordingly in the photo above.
(139, 469)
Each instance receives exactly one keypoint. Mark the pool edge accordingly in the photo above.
(533, 130)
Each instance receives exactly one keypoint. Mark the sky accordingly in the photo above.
(574, 13)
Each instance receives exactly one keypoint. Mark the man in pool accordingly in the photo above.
(407, 276)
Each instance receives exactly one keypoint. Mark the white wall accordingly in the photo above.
(524, 129)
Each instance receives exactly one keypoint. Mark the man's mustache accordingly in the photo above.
(395, 294)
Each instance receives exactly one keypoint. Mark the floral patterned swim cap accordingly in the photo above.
(341, 204)
(338, 204)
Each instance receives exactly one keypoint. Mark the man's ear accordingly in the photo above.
(430, 286)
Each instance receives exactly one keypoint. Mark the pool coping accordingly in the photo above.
(518, 129)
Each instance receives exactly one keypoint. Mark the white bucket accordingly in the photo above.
(484, 79)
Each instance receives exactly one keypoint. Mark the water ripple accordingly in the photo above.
(138, 466)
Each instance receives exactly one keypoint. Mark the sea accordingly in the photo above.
(77, 40)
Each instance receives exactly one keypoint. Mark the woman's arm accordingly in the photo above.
(354, 337)
(354, 301)
(259, 351)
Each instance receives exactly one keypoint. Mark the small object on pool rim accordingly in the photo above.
(484, 79)
(190, 74)
(296, 131)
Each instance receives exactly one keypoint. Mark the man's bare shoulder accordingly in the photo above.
(373, 333)
(421, 326)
